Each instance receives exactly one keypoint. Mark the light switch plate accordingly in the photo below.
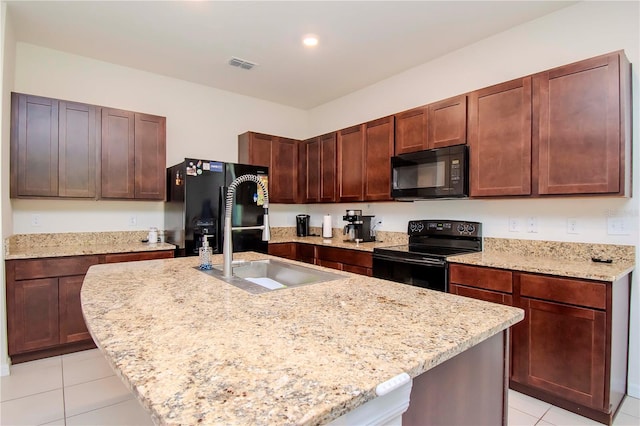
(36, 220)
(515, 224)
(618, 226)
(573, 226)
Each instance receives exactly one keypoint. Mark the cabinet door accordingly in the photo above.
(118, 154)
(34, 146)
(150, 157)
(448, 122)
(577, 127)
(351, 163)
(378, 153)
(311, 170)
(411, 130)
(286, 250)
(283, 171)
(486, 295)
(32, 314)
(328, 168)
(77, 150)
(561, 350)
(255, 149)
(72, 326)
(500, 139)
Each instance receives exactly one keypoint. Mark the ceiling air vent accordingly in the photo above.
(245, 65)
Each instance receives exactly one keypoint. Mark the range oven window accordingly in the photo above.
(420, 275)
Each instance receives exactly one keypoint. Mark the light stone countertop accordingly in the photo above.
(196, 350)
(553, 258)
(32, 246)
(332, 242)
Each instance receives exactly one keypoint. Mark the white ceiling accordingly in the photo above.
(361, 42)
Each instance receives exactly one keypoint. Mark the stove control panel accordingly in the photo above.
(445, 228)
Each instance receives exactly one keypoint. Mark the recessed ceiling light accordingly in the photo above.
(310, 40)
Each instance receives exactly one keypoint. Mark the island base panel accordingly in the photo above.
(470, 388)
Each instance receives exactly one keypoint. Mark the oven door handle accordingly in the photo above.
(425, 261)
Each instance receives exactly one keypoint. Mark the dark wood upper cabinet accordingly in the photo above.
(34, 146)
(281, 155)
(133, 155)
(379, 138)
(309, 170)
(118, 153)
(328, 168)
(500, 139)
(580, 126)
(78, 127)
(447, 122)
(351, 163)
(411, 130)
(150, 157)
(255, 148)
(284, 163)
(67, 149)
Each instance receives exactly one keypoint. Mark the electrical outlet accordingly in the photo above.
(617, 226)
(36, 220)
(515, 224)
(532, 224)
(572, 226)
(133, 220)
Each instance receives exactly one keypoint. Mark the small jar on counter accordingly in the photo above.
(153, 235)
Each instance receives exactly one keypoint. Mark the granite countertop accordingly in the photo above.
(31, 246)
(332, 242)
(196, 350)
(553, 258)
(60, 251)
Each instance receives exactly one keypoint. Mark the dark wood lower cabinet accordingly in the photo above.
(571, 348)
(44, 314)
(355, 261)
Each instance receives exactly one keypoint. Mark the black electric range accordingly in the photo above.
(422, 262)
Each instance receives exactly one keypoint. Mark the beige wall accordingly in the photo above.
(7, 58)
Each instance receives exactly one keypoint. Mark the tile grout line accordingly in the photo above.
(64, 405)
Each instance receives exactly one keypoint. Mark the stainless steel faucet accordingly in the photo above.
(227, 245)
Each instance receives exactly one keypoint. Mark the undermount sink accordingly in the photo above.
(262, 276)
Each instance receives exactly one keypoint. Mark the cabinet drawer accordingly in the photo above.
(130, 257)
(575, 292)
(349, 257)
(286, 250)
(53, 267)
(329, 264)
(486, 295)
(357, 270)
(485, 278)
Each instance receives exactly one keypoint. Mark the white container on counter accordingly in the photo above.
(327, 232)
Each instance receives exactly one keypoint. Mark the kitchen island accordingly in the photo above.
(196, 350)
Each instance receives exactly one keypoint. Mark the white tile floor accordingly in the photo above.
(80, 389)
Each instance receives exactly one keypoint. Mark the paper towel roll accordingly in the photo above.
(326, 226)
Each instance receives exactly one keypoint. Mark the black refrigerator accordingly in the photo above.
(196, 193)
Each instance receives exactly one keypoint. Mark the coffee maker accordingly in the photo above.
(302, 225)
(358, 230)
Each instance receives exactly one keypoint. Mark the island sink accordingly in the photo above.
(262, 276)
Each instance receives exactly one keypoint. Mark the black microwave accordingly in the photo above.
(433, 173)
